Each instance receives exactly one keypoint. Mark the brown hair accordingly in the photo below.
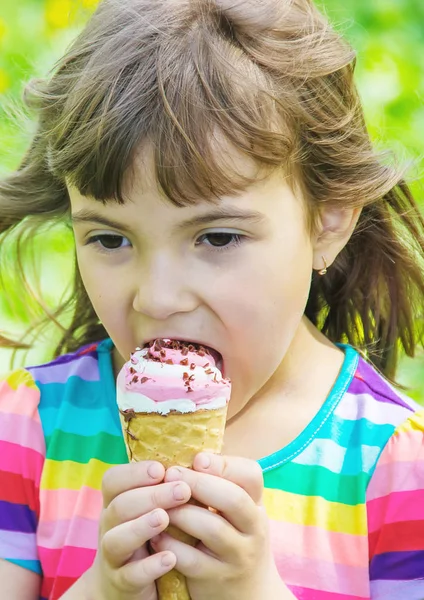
(277, 80)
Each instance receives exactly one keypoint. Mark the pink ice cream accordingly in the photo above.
(172, 376)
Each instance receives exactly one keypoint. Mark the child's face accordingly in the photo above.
(234, 275)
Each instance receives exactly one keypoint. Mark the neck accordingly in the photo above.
(289, 400)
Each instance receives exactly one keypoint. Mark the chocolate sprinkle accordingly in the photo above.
(128, 414)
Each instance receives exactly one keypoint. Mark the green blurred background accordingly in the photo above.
(387, 34)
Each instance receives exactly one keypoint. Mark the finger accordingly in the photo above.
(190, 561)
(135, 503)
(233, 502)
(122, 478)
(215, 532)
(139, 574)
(244, 472)
(119, 544)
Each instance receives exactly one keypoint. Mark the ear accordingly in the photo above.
(334, 229)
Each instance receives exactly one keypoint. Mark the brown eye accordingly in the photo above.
(108, 242)
(220, 239)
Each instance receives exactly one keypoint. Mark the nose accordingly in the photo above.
(163, 289)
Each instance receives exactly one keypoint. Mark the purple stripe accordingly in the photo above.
(84, 367)
(67, 358)
(395, 566)
(18, 546)
(17, 517)
(398, 590)
(375, 385)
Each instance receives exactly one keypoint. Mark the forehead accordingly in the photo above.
(142, 176)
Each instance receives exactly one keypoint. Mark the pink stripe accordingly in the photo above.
(397, 507)
(23, 431)
(319, 544)
(407, 446)
(403, 476)
(79, 532)
(22, 401)
(66, 504)
(19, 460)
(325, 576)
(310, 594)
(66, 562)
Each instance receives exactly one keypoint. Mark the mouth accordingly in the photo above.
(198, 347)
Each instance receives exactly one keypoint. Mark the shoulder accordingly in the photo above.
(26, 394)
(21, 436)
(19, 398)
(83, 363)
(370, 412)
(373, 401)
(401, 464)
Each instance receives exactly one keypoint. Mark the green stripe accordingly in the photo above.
(307, 480)
(70, 446)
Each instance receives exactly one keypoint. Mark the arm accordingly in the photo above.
(395, 505)
(22, 451)
(17, 583)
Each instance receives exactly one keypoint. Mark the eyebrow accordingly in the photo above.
(219, 214)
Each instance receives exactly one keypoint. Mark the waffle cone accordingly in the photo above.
(173, 440)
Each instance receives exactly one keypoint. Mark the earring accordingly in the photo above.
(324, 270)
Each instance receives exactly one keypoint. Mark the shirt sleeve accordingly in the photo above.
(395, 505)
(22, 454)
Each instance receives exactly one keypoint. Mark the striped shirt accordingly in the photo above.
(345, 499)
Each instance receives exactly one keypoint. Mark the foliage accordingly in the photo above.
(388, 36)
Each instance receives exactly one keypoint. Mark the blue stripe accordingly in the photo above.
(351, 434)
(80, 421)
(30, 565)
(76, 392)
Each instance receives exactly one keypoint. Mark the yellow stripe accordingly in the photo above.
(316, 512)
(19, 377)
(414, 423)
(71, 475)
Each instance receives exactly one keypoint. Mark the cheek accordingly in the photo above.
(265, 312)
(106, 298)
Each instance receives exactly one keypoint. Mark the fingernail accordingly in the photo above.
(180, 492)
(204, 461)
(155, 470)
(155, 518)
(174, 474)
(167, 560)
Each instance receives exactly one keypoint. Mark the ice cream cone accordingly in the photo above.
(172, 405)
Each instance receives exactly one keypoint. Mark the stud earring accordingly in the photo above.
(324, 270)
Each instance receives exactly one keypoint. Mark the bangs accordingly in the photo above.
(176, 92)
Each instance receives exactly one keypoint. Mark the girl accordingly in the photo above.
(212, 160)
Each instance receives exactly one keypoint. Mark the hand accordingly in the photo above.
(233, 559)
(135, 501)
